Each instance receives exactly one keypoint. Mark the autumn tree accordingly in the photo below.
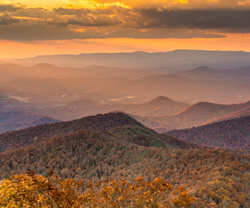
(30, 190)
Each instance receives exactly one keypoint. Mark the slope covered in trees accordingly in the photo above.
(194, 115)
(232, 134)
(121, 125)
(40, 133)
(31, 190)
(241, 113)
(213, 177)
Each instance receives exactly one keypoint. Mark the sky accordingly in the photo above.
(45, 27)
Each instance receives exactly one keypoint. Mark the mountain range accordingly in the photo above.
(103, 146)
(182, 115)
(45, 70)
(205, 72)
(161, 113)
(158, 106)
(180, 59)
(46, 84)
(194, 115)
(118, 124)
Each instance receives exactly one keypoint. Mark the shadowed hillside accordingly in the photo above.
(231, 134)
(25, 137)
(119, 125)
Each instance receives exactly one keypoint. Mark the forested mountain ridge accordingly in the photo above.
(232, 134)
(118, 124)
(212, 176)
(40, 133)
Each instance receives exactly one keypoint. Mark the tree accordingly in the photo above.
(30, 190)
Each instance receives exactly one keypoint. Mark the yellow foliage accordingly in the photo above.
(123, 194)
(184, 200)
(228, 170)
(30, 190)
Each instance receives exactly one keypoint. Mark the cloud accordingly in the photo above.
(7, 20)
(244, 3)
(195, 19)
(8, 7)
(23, 23)
(48, 32)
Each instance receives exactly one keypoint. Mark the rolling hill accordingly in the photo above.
(241, 113)
(194, 115)
(118, 124)
(240, 72)
(205, 72)
(127, 90)
(87, 155)
(13, 119)
(158, 106)
(236, 75)
(84, 107)
(12, 71)
(232, 134)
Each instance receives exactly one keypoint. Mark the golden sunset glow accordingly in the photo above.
(86, 26)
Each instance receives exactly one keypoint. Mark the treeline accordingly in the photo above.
(213, 177)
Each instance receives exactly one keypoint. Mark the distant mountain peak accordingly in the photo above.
(203, 68)
(44, 65)
(141, 52)
(161, 99)
(203, 104)
(10, 65)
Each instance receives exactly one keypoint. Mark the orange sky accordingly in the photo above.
(45, 27)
